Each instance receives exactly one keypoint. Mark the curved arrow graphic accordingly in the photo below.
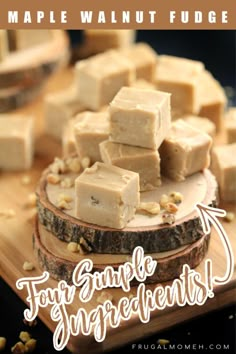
(208, 216)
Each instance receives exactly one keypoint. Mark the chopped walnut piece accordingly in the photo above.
(30, 345)
(66, 197)
(164, 200)
(73, 247)
(171, 208)
(85, 162)
(58, 166)
(150, 207)
(67, 182)
(53, 178)
(62, 204)
(176, 197)
(104, 296)
(25, 180)
(73, 164)
(3, 343)
(28, 266)
(84, 246)
(24, 336)
(19, 348)
(163, 341)
(229, 216)
(168, 218)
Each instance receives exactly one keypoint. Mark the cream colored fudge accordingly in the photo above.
(59, 107)
(68, 139)
(143, 84)
(180, 77)
(230, 125)
(212, 99)
(97, 41)
(16, 142)
(140, 117)
(224, 168)
(90, 129)
(145, 162)
(101, 77)
(107, 195)
(3, 44)
(201, 123)
(144, 59)
(185, 151)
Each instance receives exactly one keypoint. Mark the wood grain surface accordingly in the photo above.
(16, 247)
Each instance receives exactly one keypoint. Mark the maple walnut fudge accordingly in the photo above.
(184, 151)
(97, 41)
(90, 129)
(16, 142)
(59, 108)
(140, 117)
(212, 99)
(145, 162)
(230, 125)
(107, 195)
(224, 168)
(101, 77)
(179, 76)
(144, 59)
(201, 123)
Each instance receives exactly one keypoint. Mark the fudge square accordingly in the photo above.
(16, 142)
(140, 117)
(144, 59)
(185, 151)
(230, 125)
(145, 162)
(107, 195)
(180, 77)
(90, 129)
(101, 77)
(224, 168)
(59, 107)
(212, 99)
(97, 41)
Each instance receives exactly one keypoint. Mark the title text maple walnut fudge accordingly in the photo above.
(107, 195)
(140, 117)
(16, 142)
(184, 151)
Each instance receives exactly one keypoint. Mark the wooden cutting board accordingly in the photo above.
(16, 247)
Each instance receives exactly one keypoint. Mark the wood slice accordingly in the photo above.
(53, 256)
(146, 231)
(36, 63)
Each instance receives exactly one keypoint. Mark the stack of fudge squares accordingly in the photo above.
(142, 112)
(135, 141)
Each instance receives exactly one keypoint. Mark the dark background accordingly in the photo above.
(217, 50)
